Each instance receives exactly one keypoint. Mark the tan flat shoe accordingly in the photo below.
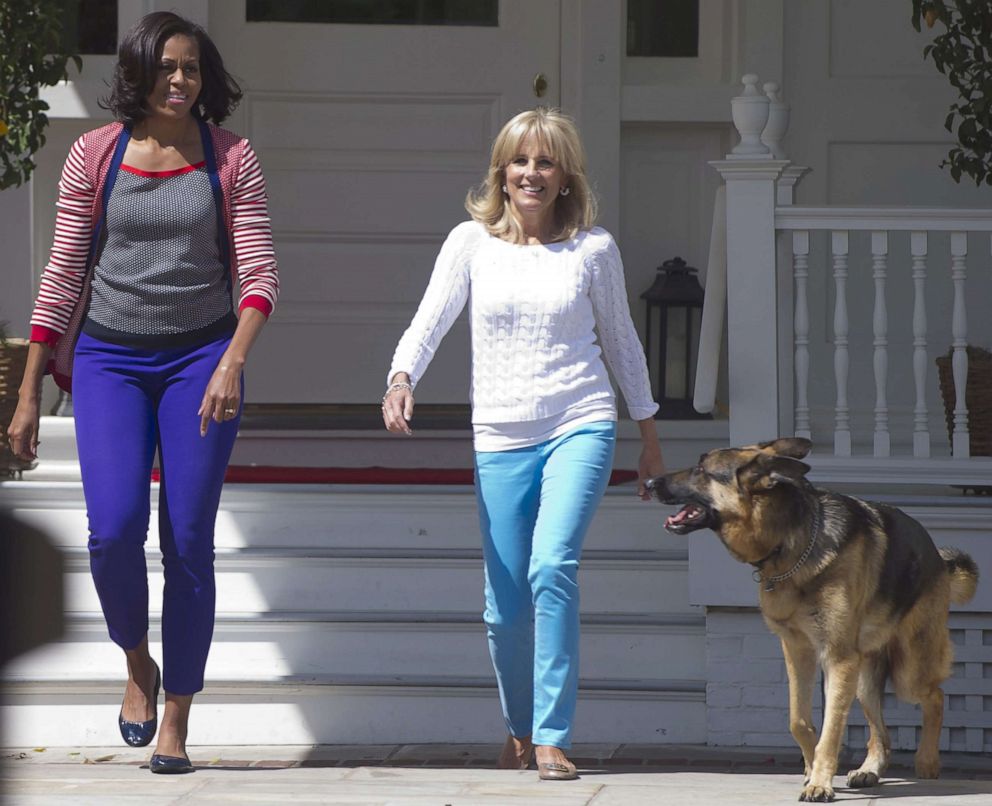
(516, 754)
(556, 771)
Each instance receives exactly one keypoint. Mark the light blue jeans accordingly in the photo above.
(535, 506)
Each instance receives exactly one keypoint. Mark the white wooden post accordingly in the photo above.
(752, 298)
(880, 327)
(921, 425)
(842, 417)
(961, 443)
(800, 262)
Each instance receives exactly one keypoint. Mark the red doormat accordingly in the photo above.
(266, 474)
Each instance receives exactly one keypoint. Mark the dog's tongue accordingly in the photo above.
(681, 516)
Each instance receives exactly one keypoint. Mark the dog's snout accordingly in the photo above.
(657, 485)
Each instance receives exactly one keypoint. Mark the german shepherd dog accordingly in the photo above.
(857, 585)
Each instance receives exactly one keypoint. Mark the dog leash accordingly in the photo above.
(772, 581)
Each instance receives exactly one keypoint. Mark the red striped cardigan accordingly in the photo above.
(63, 295)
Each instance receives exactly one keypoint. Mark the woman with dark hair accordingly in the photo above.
(161, 215)
(540, 281)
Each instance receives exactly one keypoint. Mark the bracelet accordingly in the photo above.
(394, 386)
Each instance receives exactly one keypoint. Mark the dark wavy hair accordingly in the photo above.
(138, 63)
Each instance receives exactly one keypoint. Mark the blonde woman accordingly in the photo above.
(540, 278)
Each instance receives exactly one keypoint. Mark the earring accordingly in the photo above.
(565, 191)
(504, 189)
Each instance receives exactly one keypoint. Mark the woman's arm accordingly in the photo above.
(446, 295)
(58, 292)
(62, 279)
(621, 345)
(625, 355)
(22, 432)
(251, 233)
(258, 278)
(224, 390)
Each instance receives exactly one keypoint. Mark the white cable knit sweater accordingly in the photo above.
(533, 310)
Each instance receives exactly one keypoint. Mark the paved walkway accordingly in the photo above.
(457, 775)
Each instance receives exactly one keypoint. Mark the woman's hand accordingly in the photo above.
(397, 405)
(22, 433)
(651, 464)
(222, 400)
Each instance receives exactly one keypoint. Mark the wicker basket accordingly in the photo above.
(13, 357)
(978, 398)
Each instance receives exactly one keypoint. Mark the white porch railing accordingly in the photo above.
(770, 255)
(880, 222)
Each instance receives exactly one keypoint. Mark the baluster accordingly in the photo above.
(880, 326)
(800, 269)
(842, 421)
(961, 443)
(921, 424)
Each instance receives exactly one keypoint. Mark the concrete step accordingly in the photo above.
(341, 646)
(288, 582)
(359, 712)
(343, 516)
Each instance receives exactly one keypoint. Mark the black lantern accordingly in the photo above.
(674, 309)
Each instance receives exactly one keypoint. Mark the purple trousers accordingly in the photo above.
(128, 403)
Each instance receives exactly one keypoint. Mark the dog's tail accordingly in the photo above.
(963, 572)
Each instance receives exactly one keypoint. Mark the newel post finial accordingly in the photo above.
(778, 121)
(750, 114)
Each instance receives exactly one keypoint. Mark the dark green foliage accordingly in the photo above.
(963, 53)
(31, 57)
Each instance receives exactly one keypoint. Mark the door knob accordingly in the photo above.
(540, 85)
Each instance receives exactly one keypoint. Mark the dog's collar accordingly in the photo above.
(773, 553)
(770, 582)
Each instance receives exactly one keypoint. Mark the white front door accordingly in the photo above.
(369, 137)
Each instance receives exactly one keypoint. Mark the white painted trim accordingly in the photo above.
(883, 218)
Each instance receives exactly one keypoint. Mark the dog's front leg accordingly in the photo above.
(800, 665)
(842, 685)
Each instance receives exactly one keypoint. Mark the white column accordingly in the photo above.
(961, 443)
(800, 268)
(921, 424)
(842, 422)
(752, 310)
(880, 327)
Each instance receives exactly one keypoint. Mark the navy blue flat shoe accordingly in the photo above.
(169, 765)
(139, 734)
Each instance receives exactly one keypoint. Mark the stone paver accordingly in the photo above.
(454, 775)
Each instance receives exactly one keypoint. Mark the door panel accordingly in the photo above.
(369, 137)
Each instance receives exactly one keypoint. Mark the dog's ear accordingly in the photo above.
(766, 472)
(794, 447)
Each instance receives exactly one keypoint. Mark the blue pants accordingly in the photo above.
(128, 402)
(535, 506)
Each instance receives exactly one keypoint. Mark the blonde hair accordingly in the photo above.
(556, 132)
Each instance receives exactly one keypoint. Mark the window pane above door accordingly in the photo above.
(663, 28)
(89, 27)
(377, 12)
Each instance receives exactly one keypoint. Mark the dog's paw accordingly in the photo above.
(817, 794)
(859, 779)
(927, 768)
